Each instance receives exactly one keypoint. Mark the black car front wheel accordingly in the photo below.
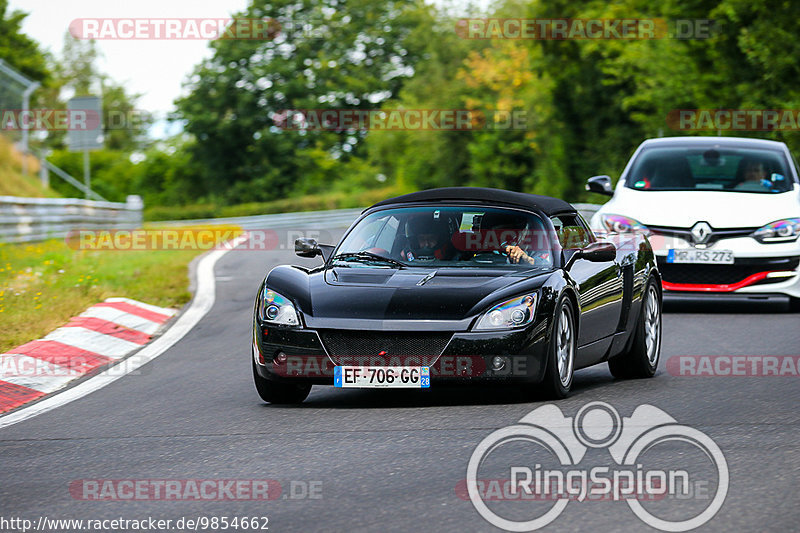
(561, 354)
(279, 393)
(641, 360)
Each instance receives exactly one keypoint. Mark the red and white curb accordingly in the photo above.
(201, 304)
(100, 336)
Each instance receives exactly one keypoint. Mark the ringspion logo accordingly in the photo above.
(542, 460)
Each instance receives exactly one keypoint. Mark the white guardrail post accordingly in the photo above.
(38, 219)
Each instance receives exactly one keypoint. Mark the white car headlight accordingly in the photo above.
(514, 313)
(622, 224)
(277, 309)
(785, 230)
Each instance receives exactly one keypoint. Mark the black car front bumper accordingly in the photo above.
(310, 355)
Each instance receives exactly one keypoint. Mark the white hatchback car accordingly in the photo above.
(722, 214)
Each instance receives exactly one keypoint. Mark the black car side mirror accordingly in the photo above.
(307, 248)
(599, 252)
(596, 252)
(600, 185)
(310, 248)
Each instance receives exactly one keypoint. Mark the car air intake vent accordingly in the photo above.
(721, 274)
(375, 347)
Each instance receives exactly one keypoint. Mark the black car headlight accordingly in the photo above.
(514, 313)
(785, 230)
(275, 308)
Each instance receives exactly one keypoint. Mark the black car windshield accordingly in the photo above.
(704, 168)
(448, 236)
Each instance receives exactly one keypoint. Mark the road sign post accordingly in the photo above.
(87, 131)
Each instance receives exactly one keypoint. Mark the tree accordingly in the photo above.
(78, 68)
(124, 126)
(328, 54)
(19, 50)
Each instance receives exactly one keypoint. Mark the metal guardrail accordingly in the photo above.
(38, 219)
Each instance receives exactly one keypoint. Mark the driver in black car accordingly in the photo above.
(501, 225)
(428, 239)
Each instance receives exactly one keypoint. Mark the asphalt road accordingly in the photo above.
(388, 460)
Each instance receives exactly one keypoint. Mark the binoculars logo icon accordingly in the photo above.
(598, 425)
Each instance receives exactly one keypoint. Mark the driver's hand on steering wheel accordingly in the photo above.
(515, 253)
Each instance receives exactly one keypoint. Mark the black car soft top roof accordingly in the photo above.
(549, 206)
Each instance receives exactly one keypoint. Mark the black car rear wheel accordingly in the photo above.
(641, 360)
(561, 354)
(279, 393)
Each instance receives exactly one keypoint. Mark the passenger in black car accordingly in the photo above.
(428, 239)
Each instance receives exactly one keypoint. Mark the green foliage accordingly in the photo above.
(353, 57)
(314, 202)
(111, 173)
(19, 50)
(588, 103)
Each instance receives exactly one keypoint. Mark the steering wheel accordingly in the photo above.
(494, 257)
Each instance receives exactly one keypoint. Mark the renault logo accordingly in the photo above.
(701, 232)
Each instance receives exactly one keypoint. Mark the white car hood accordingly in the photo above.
(721, 209)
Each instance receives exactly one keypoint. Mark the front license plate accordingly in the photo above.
(714, 257)
(398, 377)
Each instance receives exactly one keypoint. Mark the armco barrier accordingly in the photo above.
(37, 219)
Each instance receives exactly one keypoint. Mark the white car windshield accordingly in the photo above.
(447, 236)
(710, 168)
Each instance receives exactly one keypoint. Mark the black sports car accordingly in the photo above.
(454, 285)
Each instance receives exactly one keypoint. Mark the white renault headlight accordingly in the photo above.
(623, 224)
(277, 309)
(785, 230)
(514, 313)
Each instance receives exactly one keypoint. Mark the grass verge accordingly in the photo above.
(12, 181)
(314, 202)
(43, 284)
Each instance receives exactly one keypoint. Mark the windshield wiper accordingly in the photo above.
(367, 256)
